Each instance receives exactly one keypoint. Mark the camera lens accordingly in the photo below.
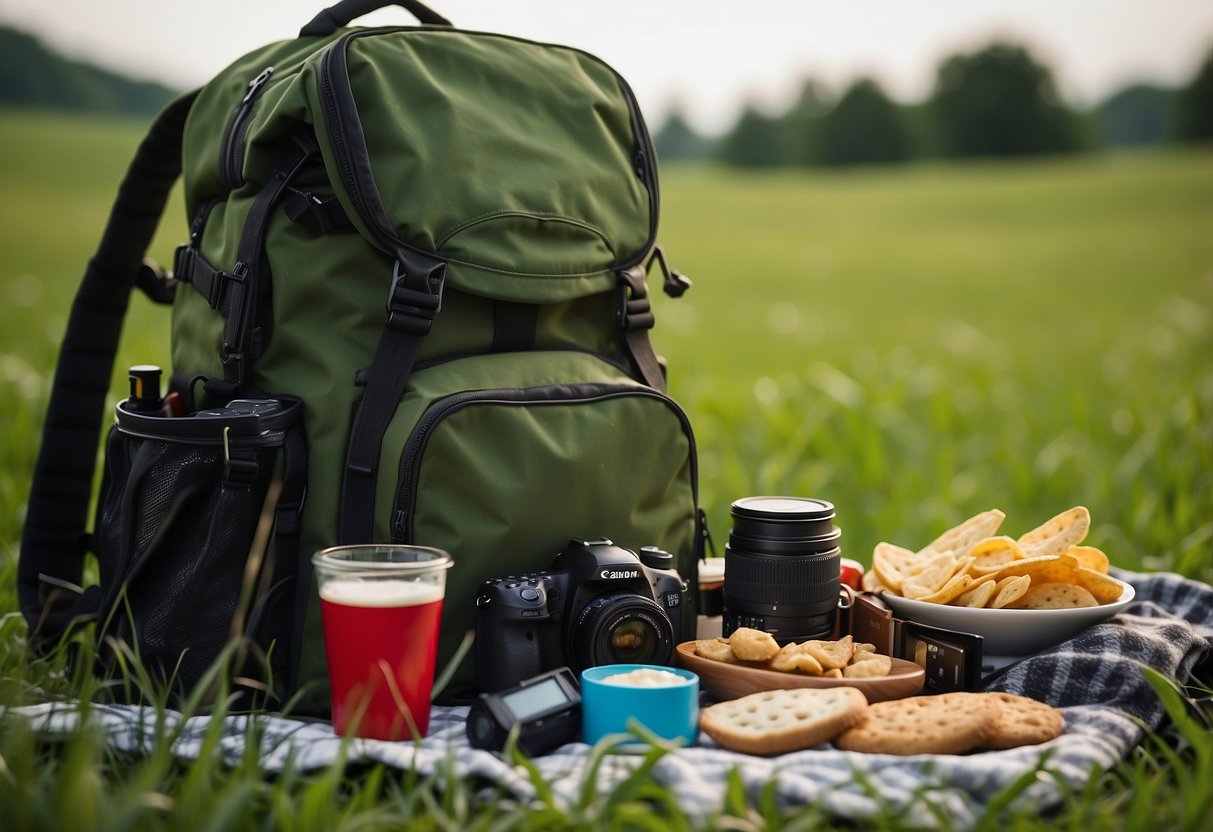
(782, 567)
(621, 628)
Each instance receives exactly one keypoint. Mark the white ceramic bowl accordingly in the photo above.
(1005, 632)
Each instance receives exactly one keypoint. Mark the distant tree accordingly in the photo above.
(1136, 115)
(1194, 105)
(802, 123)
(33, 76)
(1000, 101)
(677, 141)
(759, 140)
(864, 127)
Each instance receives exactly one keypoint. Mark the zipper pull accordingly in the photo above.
(674, 282)
(255, 85)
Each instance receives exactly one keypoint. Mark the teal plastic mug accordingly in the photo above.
(665, 700)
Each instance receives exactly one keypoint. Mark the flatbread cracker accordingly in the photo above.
(1024, 721)
(949, 723)
(780, 721)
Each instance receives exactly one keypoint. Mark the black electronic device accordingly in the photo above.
(598, 604)
(546, 708)
(952, 660)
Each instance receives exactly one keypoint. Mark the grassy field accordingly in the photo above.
(913, 344)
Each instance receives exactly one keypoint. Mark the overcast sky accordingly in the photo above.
(708, 57)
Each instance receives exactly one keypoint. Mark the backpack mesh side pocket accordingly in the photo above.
(196, 547)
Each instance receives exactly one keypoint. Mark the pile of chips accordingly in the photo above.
(972, 566)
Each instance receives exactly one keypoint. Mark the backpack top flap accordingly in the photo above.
(527, 167)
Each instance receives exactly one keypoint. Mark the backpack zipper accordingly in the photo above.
(644, 161)
(231, 159)
(406, 494)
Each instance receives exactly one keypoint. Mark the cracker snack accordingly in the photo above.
(842, 658)
(950, 723)
(779, 721)
(972, 566)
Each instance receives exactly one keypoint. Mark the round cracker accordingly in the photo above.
(949, 723)
(1023, 721)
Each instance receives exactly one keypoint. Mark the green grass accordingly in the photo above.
(914, 344)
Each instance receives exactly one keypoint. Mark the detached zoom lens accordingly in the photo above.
(621, 628)
(781, 570)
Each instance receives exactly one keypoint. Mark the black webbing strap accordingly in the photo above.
(53, 541)
(287, 526)
(635, 321)
(514, 325)
(247, 284)
(413, 303)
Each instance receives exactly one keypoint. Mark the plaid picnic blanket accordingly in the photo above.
(1096, 678)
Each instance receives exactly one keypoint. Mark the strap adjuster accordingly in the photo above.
(411, 309)
(635, 312)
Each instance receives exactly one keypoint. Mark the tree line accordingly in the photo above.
(33, 76)
(998, 101)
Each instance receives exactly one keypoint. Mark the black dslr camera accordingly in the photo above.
(598, 604)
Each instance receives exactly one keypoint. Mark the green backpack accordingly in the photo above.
(427, 248)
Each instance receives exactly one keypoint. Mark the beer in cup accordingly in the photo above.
(381, 606)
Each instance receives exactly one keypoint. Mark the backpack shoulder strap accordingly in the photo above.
(54, 541)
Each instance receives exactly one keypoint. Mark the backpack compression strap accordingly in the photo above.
(53, 542)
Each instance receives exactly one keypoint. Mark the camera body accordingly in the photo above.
(598, 604)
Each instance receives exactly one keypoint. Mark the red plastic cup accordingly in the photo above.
(381, 606)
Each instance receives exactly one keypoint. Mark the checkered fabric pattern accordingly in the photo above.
(1096, 678)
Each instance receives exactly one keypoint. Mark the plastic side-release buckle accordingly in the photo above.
(635, 313)
(413, 301)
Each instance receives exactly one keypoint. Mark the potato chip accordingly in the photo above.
(1089, 557)
(1060, 568)
(833, 673)
(1105, 589)
(871, 583)
(957, 585)
(1009, 590)
(1055, 596)
(995, 552)
(892, 563)
(969, 565)
(960, 539)
(930, 577)
(1058, 533)
(977, 595)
